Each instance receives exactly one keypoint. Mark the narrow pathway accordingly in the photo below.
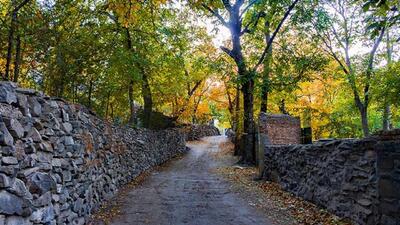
(187, 192)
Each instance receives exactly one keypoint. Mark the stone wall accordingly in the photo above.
(59, 162)
(281, 129)
(196, 132)
(355, 179)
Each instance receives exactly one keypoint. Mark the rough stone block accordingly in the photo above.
(18, 188)
(7, 94)
(5, 181)
(43, 200)
(15, 128)
(388, 188)
(40, 183)
(34, 106)
(12, 205)
(9, 160)
(5, 136)
(65, 116)
(35, 135)
(68, 140)
(15, 220)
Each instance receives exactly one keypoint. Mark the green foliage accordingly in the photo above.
(387, 84)
(95, 52)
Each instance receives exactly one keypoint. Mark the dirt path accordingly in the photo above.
(187, 192)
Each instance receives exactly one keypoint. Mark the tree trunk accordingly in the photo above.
(58, 85)
(236, 111)
(248, 154)
(236, 123)
(282, 107)
(364, 120)
(386, 110)
(10, 44)
(386, 117)
(264, 98)
(267, 70)
(14, 18)
(247, 149)
(112, 111)
(107, 104)
(90, 93)
(147, 99)
(195, 107)
(17, 61)
(132, 117)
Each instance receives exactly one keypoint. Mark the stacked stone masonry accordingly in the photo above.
(59, 162)
(355, 179)
(281, 129)
(196, 132)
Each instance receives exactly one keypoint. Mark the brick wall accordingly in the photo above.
(281, 129)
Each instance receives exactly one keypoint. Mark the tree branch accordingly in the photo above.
(371, 65)
(16, 9)
(227, 51)
(196, 85)
(253, 22)
(216, 14)
(248, 7)
(271, 40)
(227, 4)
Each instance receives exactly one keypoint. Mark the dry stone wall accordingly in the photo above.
(196, 132)
(355, 179)
(59, 162)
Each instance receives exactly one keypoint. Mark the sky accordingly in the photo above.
(219, 32)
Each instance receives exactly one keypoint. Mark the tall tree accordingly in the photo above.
(390, 10)
(232, 17)
(16, 6)
(342, 29)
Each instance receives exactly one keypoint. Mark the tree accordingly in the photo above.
(338, 26)
(232, 17)
(390, 11)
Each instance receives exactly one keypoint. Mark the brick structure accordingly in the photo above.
(281, 129)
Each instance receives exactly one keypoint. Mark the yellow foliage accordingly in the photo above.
(128, 12)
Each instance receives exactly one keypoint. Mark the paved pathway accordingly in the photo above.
(187, 192)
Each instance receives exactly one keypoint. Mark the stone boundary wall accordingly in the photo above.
(59, 162)
(281, 129)
(196, 132)
(355, 179)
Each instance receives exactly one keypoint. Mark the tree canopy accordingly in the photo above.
(333, 63)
